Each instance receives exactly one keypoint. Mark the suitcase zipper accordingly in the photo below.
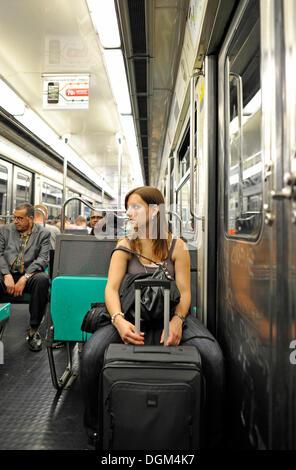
(108, 401)
(152, 365)
(148, 385)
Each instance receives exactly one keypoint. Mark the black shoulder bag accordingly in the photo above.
(152, 298)
(152, 303)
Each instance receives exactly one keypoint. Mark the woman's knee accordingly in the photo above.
(94, 349)
(196, 334)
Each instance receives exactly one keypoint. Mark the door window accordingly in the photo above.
(244, 189)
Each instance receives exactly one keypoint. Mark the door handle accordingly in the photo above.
(288, 191)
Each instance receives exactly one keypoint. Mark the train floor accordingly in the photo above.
(33, 415)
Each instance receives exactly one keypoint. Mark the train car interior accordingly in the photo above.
(195, 98)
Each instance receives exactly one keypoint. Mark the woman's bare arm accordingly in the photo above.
(181, 260)
(117, 270)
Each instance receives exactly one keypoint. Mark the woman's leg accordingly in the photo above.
(196, 334)
(91, 365)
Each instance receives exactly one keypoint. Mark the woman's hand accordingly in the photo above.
(175, 332)
(127, 331)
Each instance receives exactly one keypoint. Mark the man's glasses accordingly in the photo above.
(19, 219)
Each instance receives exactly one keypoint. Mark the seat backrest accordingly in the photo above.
(73, 231)
(82, 255)
(4, 311)
(71, 298)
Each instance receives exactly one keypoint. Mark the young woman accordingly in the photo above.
(150, 238)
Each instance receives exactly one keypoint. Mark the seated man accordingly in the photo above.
(38, 219)
(24, 251)
(97, 218)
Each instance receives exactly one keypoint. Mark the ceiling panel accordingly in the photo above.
(39, 37)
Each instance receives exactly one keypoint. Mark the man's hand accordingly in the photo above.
(19, 286)
(9, 283)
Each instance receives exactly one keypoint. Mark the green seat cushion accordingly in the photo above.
(4, 311)
(71, 298)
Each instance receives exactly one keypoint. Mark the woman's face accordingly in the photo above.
(139, 213)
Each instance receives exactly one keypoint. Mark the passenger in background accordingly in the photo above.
(38, 219)
(98, 220)
(67, 222)
(143, 207)
(81, 221)
(24, 254)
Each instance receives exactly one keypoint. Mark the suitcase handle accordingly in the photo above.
(148, 349)
(153, 282)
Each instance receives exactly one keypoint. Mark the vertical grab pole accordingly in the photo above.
(137, 309)
(192, 143)
(166, 314)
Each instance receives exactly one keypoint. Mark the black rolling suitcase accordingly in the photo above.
(151, 395)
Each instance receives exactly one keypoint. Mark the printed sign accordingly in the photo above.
(195, 14)
(65, 91)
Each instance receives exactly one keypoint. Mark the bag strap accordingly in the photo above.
(128, 250)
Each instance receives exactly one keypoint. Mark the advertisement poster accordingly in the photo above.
(69, 91)
(195, 14)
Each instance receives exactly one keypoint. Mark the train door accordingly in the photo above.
(245, 246)
(284, 206)
(22, 186)
(256, 239)
(202, 186)
(180, 203)
(5, 188)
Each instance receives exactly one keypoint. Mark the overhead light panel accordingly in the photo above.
(117, 76)
(104, 18)
(10, 101)
(130, 136)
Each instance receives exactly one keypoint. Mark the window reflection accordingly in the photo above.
(244, 154)
(3, 189)
(23, 189)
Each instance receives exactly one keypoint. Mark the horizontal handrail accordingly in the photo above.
(86, 203)
(11, 216)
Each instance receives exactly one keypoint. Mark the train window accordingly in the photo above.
(52, 198)
(22, 186)
(51, 194)
(183, 208)
(3, 189)
(73, 207)
(244, 189)
(183, 200)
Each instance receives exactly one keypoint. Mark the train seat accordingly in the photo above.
(70, 299)
(80, 269)
(21, 299)
(4, 316)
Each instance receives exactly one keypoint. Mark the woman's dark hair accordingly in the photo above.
(161, 237)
